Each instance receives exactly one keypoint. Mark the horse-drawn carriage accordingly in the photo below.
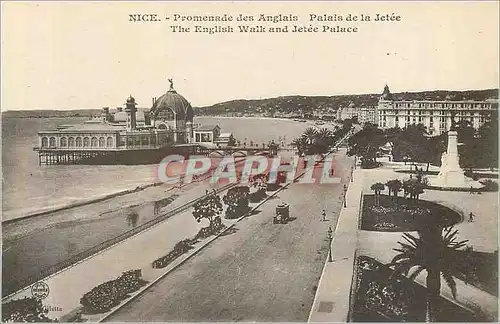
(282, 214)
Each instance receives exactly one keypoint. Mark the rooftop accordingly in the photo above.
(206, 128)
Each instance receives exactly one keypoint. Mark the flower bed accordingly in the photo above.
(27, 309)
(401, 215)
(109, 294)
(378, 298)
(186, 245)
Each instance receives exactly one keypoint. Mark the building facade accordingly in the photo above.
(364, 114)
(124, 133)
(436, 116)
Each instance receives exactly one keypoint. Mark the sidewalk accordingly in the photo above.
(331, 303)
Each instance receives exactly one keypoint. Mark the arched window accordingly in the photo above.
(102, 142)
(78, 142)
(52, 141)
(45, 142)
(109, 141)
(64, 142)
(162, 127)
(86, 142)
(93, 142)
(71, 142)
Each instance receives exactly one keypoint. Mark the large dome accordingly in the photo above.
(175, 103)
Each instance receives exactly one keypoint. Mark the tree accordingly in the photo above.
(488, 141)
(378, 188)
(28, 309)
(300, 143)
(414, 188)
(210, 208)
(237, 200)
(259, 183)
(310, 134)
(435, 250)
(366, 144)
(394, 187)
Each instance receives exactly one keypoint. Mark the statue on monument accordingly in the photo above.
(171, 84)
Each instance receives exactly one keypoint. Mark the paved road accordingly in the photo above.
(260, 272)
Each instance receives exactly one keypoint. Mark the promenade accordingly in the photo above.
(137, 252)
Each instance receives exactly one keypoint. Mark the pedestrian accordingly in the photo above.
(323, 214)
(471, 217)
(471, 190)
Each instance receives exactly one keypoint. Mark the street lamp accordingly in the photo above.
(330, 238)
(352, 170)
(345, 196)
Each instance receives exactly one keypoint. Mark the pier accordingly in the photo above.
(143, 154)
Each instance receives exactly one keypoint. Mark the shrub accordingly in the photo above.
(489, 185)
(28, 309)
(103, 297)
(180, 248)
(237, 201)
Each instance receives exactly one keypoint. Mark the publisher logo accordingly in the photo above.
(40, 290)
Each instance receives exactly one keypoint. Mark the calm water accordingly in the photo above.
(28, 187)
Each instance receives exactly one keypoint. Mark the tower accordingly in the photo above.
(131, 111)
(189, 132)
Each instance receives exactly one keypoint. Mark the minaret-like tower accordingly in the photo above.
(189, 132)
(131, 111)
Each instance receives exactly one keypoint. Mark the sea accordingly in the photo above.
(29, 188)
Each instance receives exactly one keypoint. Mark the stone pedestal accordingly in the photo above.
(450, 174)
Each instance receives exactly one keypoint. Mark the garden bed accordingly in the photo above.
(109, 294)
(479, 269)
(378, 299)
(398, 214)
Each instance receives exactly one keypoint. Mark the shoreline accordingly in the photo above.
(80, 203)
(84, 202)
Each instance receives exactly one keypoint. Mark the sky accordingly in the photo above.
(88, 55)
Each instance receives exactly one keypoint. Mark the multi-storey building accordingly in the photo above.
(363, 114)
(436, 116)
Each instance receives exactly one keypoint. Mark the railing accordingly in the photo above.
(107, 244)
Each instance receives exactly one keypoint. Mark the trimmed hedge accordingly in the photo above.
(186, 245)
(109, 294)
(179, 249)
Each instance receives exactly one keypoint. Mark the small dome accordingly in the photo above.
(174, 102)
(131, 100)
(386, 95)
(352, 105)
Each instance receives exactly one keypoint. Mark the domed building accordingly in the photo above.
(130, 135)
(171, 112)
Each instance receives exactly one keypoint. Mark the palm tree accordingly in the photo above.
(310, 134)
(300, 143)
(377, 187)
(325, 136)
(394, 187)
(435, 250)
